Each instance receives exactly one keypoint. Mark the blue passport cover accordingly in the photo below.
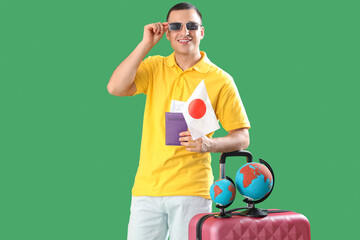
(174, 125)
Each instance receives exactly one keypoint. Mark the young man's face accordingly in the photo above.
(185, 41)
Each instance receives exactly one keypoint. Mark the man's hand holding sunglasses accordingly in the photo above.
(153, 32)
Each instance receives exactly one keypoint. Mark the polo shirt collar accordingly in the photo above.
(202, 66)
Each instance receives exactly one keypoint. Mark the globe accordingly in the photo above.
(254, 181)
(223, 192)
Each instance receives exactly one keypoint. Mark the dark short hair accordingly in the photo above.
(183, 6)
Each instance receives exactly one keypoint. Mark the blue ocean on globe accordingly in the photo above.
(223, 192)
(254, 181)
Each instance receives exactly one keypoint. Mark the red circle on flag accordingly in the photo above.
(197, 108)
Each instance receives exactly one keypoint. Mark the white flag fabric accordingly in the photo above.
(199, 114)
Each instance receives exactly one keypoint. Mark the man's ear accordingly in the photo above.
(202, 32)
(167, 35)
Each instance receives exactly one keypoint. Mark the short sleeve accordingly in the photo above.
(230, 109)
(143, 76)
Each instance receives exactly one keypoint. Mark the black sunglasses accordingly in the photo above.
(178, 26)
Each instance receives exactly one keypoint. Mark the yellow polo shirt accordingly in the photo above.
(172, 170)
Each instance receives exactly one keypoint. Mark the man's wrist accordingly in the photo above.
(146, 45)
(211, 145)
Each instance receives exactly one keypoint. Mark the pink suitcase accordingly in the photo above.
(277, 225)
(251, 223)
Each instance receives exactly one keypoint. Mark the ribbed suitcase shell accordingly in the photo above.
(275, 226)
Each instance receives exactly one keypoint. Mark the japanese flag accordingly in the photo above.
(199, 114)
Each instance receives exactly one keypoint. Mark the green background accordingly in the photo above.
(69, 150)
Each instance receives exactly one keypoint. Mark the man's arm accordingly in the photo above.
(122, 80)
(237, 139)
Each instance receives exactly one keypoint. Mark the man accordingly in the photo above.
(172, 182)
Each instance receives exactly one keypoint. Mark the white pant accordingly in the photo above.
(154, 218)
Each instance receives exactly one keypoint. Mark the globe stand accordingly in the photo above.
(252, 211)
(222, 214)
(255, 212)
(249, 211)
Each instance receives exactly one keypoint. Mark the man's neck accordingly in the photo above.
(185, 61)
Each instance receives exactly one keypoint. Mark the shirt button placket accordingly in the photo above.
(180, 86)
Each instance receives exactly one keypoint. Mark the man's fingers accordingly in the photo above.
(194, 144)
(151, 28)
(161, 27)
(185, 139)
(188, 144)
(158, 28)
(166, 26)
(155, 29)
(191, 149)
(187, 133)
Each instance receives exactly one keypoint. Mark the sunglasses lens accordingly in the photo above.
(189, 26)
(174, 26)
(192, 26)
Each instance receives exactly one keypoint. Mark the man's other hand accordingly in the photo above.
(200, 145)
(237, 139)
(153, 32)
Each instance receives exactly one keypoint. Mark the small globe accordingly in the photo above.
(254, 181)
(223, 192)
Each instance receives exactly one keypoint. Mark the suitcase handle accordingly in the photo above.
(223, 156)
(241, 153)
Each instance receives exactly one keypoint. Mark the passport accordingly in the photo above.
(174, 125)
